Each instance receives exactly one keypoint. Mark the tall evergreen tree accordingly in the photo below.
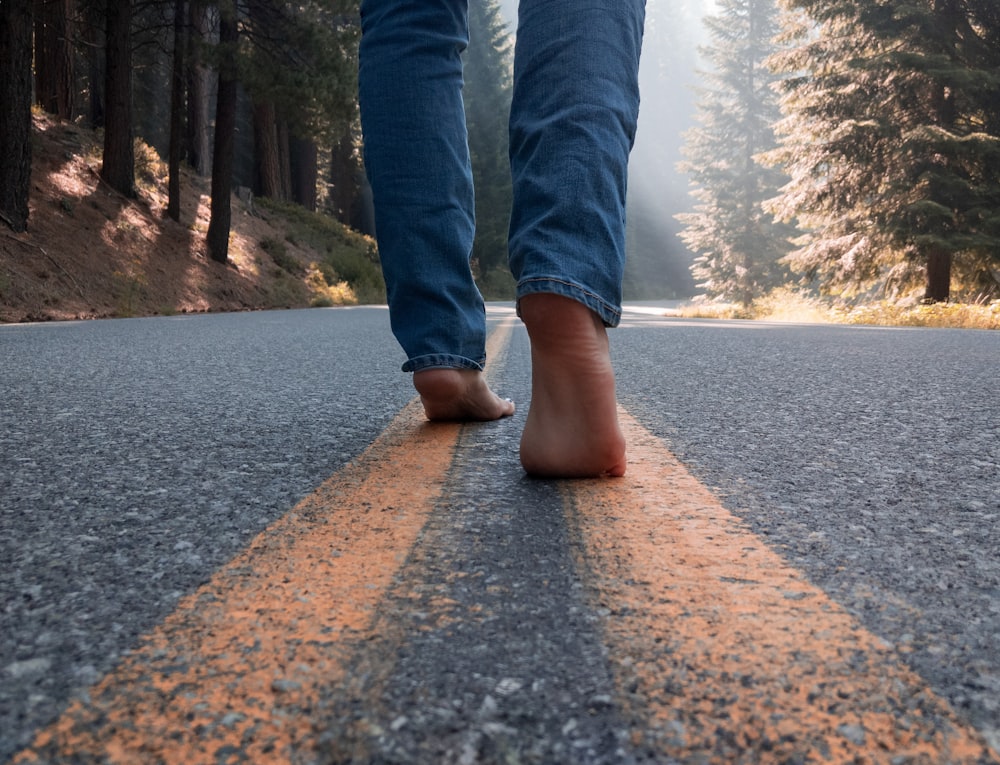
(177, 93)
(887, 141)
(220, 221)
(488, 88)
(300, 71)
(985, 18)
(91, 26)
(297, 60)
(739, 243)
(118, 167)
(15, 112)
(197, 146)
(55, 89)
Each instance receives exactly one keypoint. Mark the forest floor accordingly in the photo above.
(90, 252)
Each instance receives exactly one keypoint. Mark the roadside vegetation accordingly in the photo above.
(792, 306)
(347, 270)
(92, 253)
(844, 163)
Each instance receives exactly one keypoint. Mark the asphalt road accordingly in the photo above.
(139, 457)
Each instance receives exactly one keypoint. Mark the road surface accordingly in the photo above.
(232, 538)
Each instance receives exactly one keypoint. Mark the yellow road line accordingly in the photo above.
(232, 674)
(724, 653)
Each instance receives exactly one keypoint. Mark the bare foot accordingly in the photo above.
(572, 427)
(459, 395)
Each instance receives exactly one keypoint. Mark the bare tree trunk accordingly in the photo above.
(284, 159)
(225, 134)
(267, 159)
(43, 56)
(304, 172)
(350, 195)
(343, 188)
(54, 79)
(176, 114)
(15, 112)
(93, 47)
(938, 288)
(199, 151)
(949, 17)
(119, 154)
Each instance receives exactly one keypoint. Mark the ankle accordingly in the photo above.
(439, 383)
(459, 395)
(561, 326)
(549, 310)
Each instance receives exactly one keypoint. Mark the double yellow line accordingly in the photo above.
(721, 651)
(724, 653)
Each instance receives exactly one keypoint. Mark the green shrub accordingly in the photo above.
(279, 254)
(347, 256)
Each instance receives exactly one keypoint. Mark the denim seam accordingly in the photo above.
(536, 279)
(441, 361)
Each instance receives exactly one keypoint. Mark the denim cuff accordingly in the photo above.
(442, 361)
(610, 314)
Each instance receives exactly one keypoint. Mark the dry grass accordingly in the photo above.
(955, 315)
(785, 305)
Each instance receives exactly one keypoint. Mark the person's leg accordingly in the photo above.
(573, 121)
(417, 160)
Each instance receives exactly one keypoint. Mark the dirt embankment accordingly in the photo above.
(89, 252)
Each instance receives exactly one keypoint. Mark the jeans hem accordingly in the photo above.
(441, 361)
(610, 314)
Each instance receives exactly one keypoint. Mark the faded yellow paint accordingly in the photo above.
(233, 673)
(723, 652)
(235, 669)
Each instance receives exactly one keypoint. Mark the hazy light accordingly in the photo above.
(657, 192)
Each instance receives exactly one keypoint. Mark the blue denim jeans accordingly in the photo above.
(572, 124)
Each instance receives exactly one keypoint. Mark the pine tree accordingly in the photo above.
(220, 221)
(118, 167)
(487, 96)
(177, 93)
(15, 112)
(295, 59)
(197, 146)
(739, 243)
(887, 139)
(55, 89)
(300, 71)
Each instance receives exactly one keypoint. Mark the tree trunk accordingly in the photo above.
(304, 172)
(343, 174)
(350, 195)
(15, 112)
(950, 15)
(176, 114)
(267, 161)
(225, 133)
(54, 79)
(119, 154)
(938, 276)
(199, 151)
(93, 47)
(284, 159)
